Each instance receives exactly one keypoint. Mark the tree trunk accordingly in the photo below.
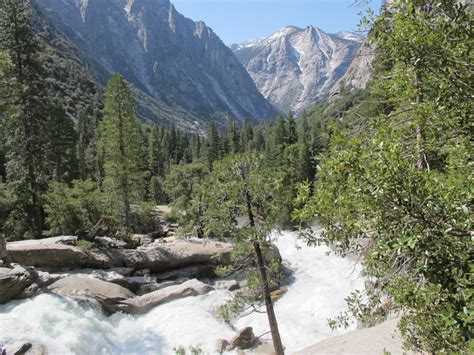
(277, 344)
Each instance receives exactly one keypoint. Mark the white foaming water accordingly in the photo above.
(321, 282)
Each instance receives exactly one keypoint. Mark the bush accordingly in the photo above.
(74, 210)
(143, 221)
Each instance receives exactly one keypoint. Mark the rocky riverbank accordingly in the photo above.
(131, 309)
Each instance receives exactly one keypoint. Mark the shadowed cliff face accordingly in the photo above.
(294, 68)
(176, 63)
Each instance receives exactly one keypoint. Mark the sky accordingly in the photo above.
(236, 21)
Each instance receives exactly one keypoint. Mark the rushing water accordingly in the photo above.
(321, 282)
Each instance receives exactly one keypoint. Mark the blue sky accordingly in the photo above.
(238, 20)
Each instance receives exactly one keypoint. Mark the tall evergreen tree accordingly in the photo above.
(233, 140)
(120, 141)
(27, 126)
(292, 134)
(213, 145)
(61, 149)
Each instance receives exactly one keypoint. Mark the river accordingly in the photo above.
(320, 284)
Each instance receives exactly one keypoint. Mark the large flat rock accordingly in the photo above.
(83, 288)
(162, 257)
(377, 340)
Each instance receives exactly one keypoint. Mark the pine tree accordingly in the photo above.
(61, 146)
(292, 134)
(233, 138)
(120, 141)
(27, 126)
(240, 186)
(195, 148)
(213, 145)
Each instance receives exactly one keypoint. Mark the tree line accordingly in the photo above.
(54, 162)
(388, 169)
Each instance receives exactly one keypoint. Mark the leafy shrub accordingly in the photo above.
(85, 245)
(142, 220)
(74, 210)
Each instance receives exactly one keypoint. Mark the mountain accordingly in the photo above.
(180, 69)
(351, 36)
(360, 71)
(294, 68)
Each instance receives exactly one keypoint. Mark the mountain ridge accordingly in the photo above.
(294, 67)
(179, 66)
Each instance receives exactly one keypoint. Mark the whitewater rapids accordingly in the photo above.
(320, 284)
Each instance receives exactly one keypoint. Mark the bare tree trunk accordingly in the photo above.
(96, 228)
(277, 344)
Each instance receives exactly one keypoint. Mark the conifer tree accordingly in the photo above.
(292, 134)
(241, 186)
(213, 146)
(233, 138)
(120, 141)
(61, 146)
(27, 125)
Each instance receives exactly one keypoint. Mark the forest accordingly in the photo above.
(387, 170)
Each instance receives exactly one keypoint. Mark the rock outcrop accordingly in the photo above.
(244, 339)
(360, 71)
(294, 68)
(143, 304)
(24, 348)
(180, 70)
(13, 282)
(165, 257)
(380, 339)
(83, 289)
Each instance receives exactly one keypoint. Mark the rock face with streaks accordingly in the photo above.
(174, 63)
(294, 68)
(360, 71)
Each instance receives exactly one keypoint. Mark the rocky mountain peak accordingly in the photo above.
(294, 67)
(180, 69)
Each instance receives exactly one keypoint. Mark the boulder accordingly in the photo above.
(178, 254)
(221, 345)
(54, 256)
(143, 304)
(110, 243)
(229, 285)
(13, 282)
(244, 339)
(64, 239)
(108, 294)
(24, 348)
(166, 256)
(272, 253)
(190, 272)
(142, 240)
(41, 281)
(153, 285)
